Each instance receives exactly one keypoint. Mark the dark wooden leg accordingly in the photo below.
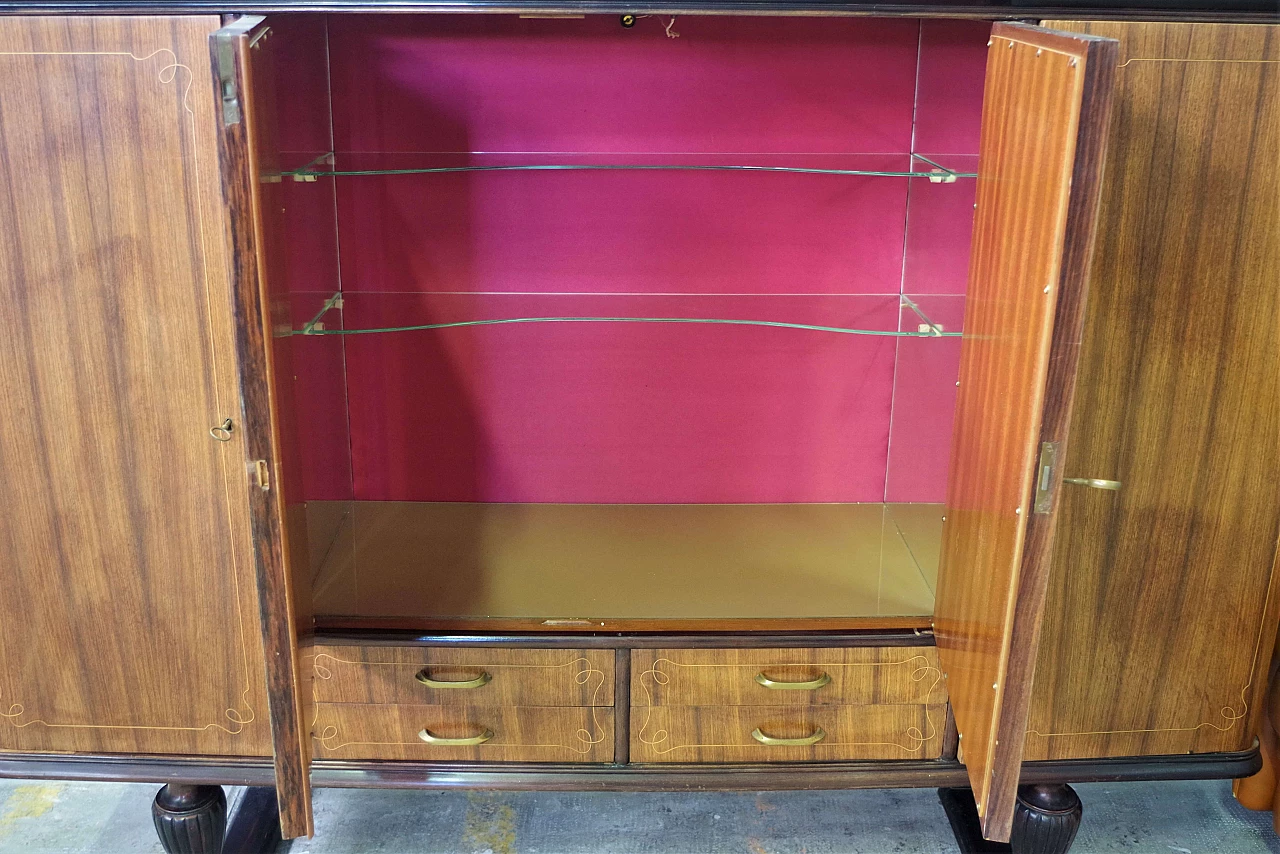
(190, 819)
(255, 825)
(1046, 819)
(962, 813)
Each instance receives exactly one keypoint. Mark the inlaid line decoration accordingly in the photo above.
(1217, 61)
(584, 674)
(167, 74)
(1229, 715)
(916, 740)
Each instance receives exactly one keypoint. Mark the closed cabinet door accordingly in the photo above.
(1161, 611)
(128, 597)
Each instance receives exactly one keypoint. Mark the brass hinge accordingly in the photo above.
(227, 89)
(261, 474)
(1044, 477)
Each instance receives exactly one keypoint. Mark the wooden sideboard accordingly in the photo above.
(578, 400)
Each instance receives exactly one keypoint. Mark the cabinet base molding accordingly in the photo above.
(342, 774)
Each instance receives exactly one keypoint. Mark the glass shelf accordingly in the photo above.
(321, 325)
(324, 166)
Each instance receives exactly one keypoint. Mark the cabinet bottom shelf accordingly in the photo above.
(623, 567)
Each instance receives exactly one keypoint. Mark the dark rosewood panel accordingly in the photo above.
(247, 147)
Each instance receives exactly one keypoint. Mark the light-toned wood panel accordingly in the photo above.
(128, 621)
(354, 731)
(1157, 628)
(419, 562)
(727, 677)
(725, 733)
(516, 677)
(1044, 115)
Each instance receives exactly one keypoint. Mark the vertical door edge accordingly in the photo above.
(239, 162)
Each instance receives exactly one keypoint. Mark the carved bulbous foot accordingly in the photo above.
(190, 819)
(1045, 819)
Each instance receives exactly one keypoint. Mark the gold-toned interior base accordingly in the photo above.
(597, 563)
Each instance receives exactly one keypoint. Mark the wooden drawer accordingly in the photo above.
(798, 677)
(733, 733)
(529, 734)
(482, 677)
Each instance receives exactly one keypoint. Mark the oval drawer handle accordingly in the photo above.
(479, 682)
(818, 735)
(811, 685)
(470, 741)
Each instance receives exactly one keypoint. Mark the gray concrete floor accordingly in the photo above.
(1137, 818)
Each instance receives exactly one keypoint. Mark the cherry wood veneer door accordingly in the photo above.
(247, 147)
(1044, 119)
(128, 605)
(1161, 610)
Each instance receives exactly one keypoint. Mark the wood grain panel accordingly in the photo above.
(354, 731)
(243, 72)
(1160, 613)
(1044, 116)
(128, 619)
(727, 677)
(724, 733)
(518, 677)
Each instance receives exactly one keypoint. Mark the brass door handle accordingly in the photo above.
(818, 735)
(1095, 482)
(479, 682)
(811, 685)
(470, 741)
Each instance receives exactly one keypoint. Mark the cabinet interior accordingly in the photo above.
(620, 456)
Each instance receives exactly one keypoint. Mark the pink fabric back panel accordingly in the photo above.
(608, 412)
(579, 412)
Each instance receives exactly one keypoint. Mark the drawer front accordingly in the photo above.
(462, 733)
(787, 677)
(786, 733)
(447, 676)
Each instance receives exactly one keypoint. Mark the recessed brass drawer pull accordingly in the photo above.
(479, 682)
(811, 685)
(1095, 482)
(818, 735)
(470, 741)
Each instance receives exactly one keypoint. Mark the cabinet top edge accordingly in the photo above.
(1244, 11)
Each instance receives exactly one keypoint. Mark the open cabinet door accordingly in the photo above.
(242, 61)
(1044, 124)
